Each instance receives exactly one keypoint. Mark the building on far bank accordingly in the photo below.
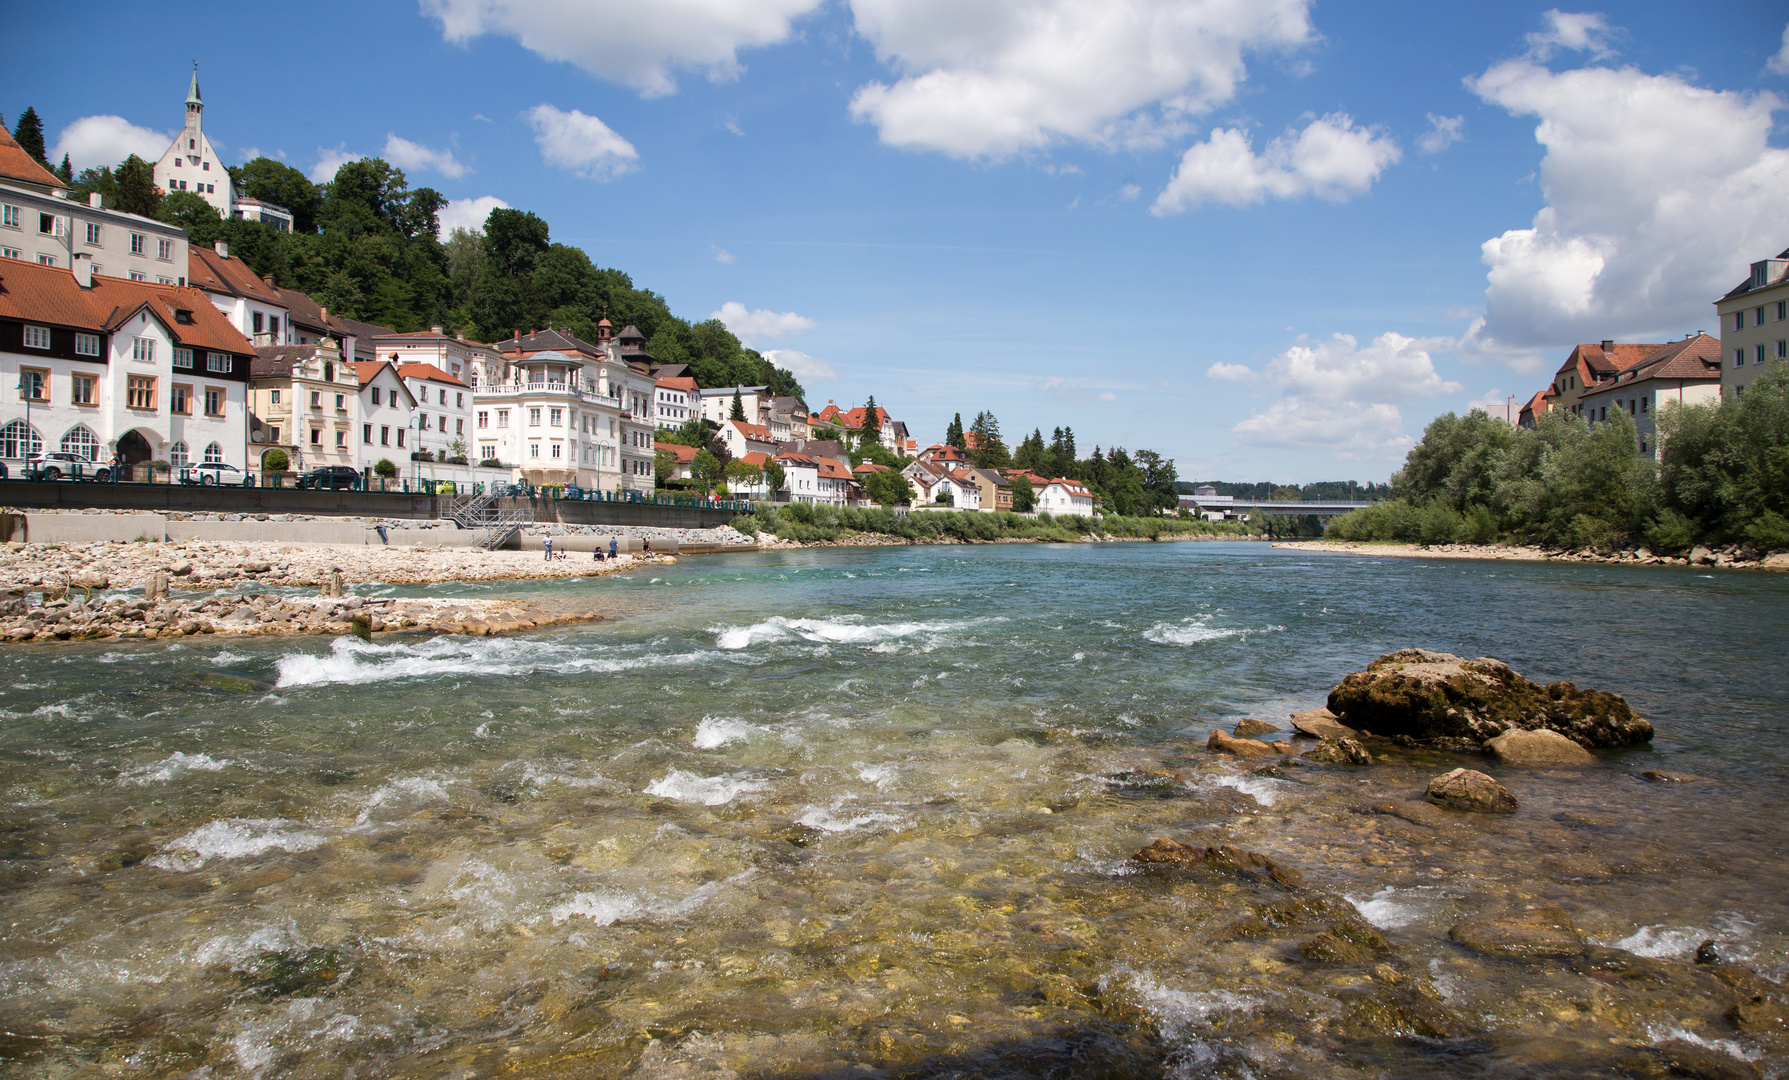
(305, 401)
(190, 163)
(1686, 372)
(39, 224)
(1754, 324)
(996, 490)
(1589, 365)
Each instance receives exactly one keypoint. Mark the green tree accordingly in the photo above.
(742, 473)
(872, 421)
(990, 452)
(137, 192)
(774, 476)
(65, 172)
(275, 460)
(190, 212)
(888, 488)
(664, 466)
(953, 433)
(29, 135)
(1724, 469)
(385, 468)
(1031, 453)
(709, 469)
(737, 412)
(278, 183)
(1024, 496)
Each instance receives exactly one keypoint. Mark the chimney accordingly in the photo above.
(434, 330)
(96, 200)
(323, 314)
(269, 280)
(1608, 345)
(83, 268)
(222, 247)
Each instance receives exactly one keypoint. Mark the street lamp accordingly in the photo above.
(27, 392)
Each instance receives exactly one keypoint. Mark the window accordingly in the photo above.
(341, 439)
(33, 385)
(46, 224)
(1644, 404)
(134, 276)
(10, 216)
(423, 419)
(558, 416)
(558, 450)
(86, 344)
(1758, 351)
(486, 451)
(1782, 310)
(140, 392)
(214, 401)
(214, 454)
(1739, 320)
(139, 244)
(80, 442)
(384, 436)
(484, 419)
(502, 418)
(273, 325)
(341, 403)
(257, 322)
(533, 449)
(143, 349)
(183, 359)
(164, 250)
(442, 426)
(45, 260)
(1782, 349)
(180, 400)
(459, 423)
(273, 435)
(1758, 317)
(179, 457)
(218, 362)
(316, 436)
(273, 397)
(366, 434)
(400, 438)
(93, 234)
(18, 441)
(81, 389)
(376, 395)
(37, 337)
(533, 417)
(11, 253)
(459, 400)
(316, 399)
(206, 166)
(1739, 358)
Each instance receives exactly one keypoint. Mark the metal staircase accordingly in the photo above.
(480, 511)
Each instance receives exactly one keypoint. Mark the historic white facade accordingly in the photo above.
(387, 417)
(190, 164)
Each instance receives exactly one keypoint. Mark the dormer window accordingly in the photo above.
(183, 317)
(1760, 274)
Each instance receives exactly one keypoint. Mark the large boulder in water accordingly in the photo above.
(1443, 699)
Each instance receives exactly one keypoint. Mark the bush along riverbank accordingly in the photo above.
(1721, 482)
(809, 523)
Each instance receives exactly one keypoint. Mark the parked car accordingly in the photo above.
(211, 473)
(61, 464)
(332, 477)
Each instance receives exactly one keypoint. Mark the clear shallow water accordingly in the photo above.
(789, 815)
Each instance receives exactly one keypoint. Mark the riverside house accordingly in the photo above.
(1686, 372)
(1754, 323)
(305, 401)
(40, 224)
(104, 367)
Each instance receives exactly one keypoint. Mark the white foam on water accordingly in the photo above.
(228, 657)
(1262, 790)
(708, 790)
(174, 765)
(717, 731)
(1385, 912)
(1662, 942)
(236, 838)
(1661, 1034)
(354, 662)
(601, 908)
(1176, 1010)
(880, 775)
(234, 951)
(835, 820)
(410, 789)
(843, 630)
(1196, 628)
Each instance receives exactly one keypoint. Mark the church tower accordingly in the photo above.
(190, 163)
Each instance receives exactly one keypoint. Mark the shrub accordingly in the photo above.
(385, 469)
(275, 460)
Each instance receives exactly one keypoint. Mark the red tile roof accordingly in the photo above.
(834, 468)
(754, 432)
(680, 382)
(683, 454)
(1698, 357)
(871, 467)
(429, 372)
(368, 370)
(756, 457)
(47, 294)
(220, 274)
(17, 165)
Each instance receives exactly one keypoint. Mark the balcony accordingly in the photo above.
(557, 389)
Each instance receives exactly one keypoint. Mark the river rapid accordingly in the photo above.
(869, 812)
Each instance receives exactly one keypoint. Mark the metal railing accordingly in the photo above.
(479, 511)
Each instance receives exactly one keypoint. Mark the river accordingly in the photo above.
(870, 812)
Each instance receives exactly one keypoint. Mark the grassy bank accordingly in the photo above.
(807, 522)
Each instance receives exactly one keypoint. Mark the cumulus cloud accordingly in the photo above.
(1444, 131)
(1001, 77)
(583, 144)
(1581, 32)
(1780, 62)
(328, 161)
(469, 214)
(723, 256)
(635, 44)
(409, 155)
(102, 141)
(1331, 159)
(808, 369)
(1341, 397)
(1230, 372)
(760, 323)
(1658, 195)
(1107, 396)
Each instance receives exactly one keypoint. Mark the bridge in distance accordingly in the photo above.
(1229, 505)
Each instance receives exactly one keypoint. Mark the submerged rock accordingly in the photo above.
(1224, 744)
(1227, 857)
(1439, 697)
(1321, 724)
(1542, 749)
(1339, 751)
(1251, 726)
(1345, 942)
(1539, 933)
(1464, 789)
(1660, 776)
(1683, 1059)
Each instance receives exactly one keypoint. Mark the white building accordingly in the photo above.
(742, 438)
(1754, 323)
(191, 164)
(1063, 496)
(1686, 372)
(252, 305)
(676, 399)
(561, 410)
(104, 367)
(304, 400)
(39, 224)
(932, 480)
(451, 353)
(717, 404)
(443, 411)
(387, 412)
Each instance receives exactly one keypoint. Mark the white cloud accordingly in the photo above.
(1229, 372)
(760, 323)
(328, 161)
(1343, 398)
(1659, 194)
(1444, 131)
(1129, 192)
(1780, 62)
(1330, 158)
(801, 365)
(408, 155)
(1107, 396)
(103, 141)
(468, 214)
(1001, 77)
(635, 44)
(1581, 32)
(723, 256)
(583, 144)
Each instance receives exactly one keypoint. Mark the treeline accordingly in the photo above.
(809, 522)
(367, 246)
(1122, 483)
(1266, 490)
(1722, 477)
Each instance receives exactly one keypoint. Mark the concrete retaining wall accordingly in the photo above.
(159, 498)
(603, 513)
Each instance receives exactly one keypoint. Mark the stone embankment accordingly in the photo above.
(1735, 557)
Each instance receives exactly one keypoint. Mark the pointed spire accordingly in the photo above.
(192, 96)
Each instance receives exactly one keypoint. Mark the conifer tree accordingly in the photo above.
(29, 135)
(738, 412)
(953, 435)
(65, 172)
(872, 422)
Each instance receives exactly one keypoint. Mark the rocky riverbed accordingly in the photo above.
(1732, 556)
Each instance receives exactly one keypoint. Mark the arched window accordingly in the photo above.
(18, 441)
(214, 454)
(179, 456)
(80, 441)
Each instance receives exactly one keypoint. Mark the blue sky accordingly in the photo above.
(1270, 238)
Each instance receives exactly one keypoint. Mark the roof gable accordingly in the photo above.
(20, 167)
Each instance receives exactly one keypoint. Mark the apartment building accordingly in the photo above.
(389, 416)
(39, 224)
(443, 411)
(1686, 372)
(253, 305)
(1754, 324)
(304, 400)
